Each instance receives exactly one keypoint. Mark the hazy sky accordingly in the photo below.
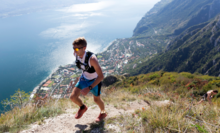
(20, 7)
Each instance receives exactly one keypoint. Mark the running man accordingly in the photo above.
(90, 80)
(208, 96)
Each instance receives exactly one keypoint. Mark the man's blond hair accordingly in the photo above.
(80, 41)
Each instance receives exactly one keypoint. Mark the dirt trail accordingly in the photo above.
(66, 123)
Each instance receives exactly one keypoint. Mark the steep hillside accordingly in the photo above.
(195, 50)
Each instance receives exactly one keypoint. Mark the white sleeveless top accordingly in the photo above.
(209, 91)
(85, 74)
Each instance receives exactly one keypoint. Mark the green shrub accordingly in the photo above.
(18, 99)
(154, 76)
(187, 75)
(218, 95)
(196, 73)
(4, 128)
(165, 80)
(207, 87)
(154, 82)
(135, 90)
(200, 128)
(144, 78)
(215, 82)
(206, 77)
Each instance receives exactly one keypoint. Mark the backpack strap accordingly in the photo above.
(78, 63)
(88, 55)
(86, 63)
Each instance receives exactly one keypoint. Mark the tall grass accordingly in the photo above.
(179, 116)
(18, 119)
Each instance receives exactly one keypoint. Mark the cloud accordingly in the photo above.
(138, 2)
(9, 8)
(88, 7)
(81, 15)
(12, 8)
(66, 31)
(91, 14)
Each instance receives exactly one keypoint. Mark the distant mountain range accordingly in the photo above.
(175, 35)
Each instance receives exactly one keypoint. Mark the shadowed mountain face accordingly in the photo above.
(195, 50)
(175, 16)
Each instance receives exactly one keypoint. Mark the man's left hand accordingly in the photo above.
(85, 91)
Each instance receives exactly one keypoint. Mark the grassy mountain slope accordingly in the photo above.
(195, 50)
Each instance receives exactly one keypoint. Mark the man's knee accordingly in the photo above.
(75, 94)
(97, 99)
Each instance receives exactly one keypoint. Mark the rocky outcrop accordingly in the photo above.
(109, 80)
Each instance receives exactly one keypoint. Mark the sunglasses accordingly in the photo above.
(77, 49)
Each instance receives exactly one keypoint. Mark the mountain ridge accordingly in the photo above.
(193, 51)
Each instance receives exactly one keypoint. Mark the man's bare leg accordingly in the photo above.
(75, 96)
(101, 105)
(99, 102)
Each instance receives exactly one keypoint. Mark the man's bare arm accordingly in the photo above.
(209, 98)
(95, 64)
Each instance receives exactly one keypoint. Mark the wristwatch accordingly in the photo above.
(90, 87)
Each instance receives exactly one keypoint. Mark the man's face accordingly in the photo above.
(215, 93)
(79, 49)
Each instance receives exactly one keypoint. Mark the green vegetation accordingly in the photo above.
(99, 56)
(50, 85)
(169, 118)
(19, 99)
(183, 83)
(74, 76)
(183, 89)
(66, 81)
(57, 76)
